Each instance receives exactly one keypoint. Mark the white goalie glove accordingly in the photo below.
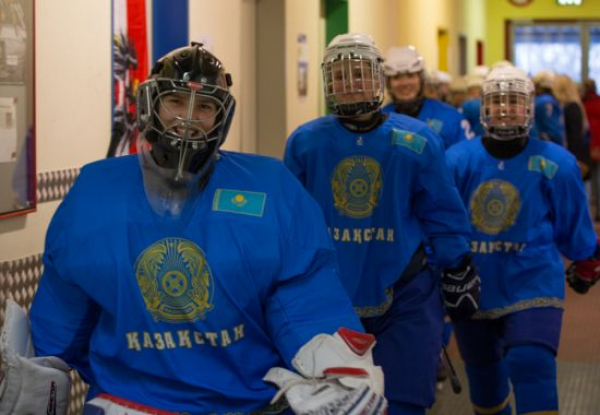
(29, 385)
(336, 375)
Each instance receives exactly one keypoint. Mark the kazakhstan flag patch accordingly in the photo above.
(541, 164)
(413, 141)
(239, 201)
(435, 125)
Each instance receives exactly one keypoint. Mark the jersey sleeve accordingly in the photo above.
(573, 228)
(62, 315)
(308, 298)
(441, 211)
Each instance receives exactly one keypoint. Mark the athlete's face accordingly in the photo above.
(178, 106)
(352, 81)
(506, 109)
(404, 87)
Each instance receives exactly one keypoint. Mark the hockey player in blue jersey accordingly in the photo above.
(527, 206)
(382, 183)
(177, 279)
(405, 77)
(549, 120)
(471, 108)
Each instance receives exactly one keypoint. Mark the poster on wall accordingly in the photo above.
(130, 68)
(18, 178)
(13, 42)
(302, 66)
(8, 129)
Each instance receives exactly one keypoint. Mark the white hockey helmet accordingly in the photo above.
(507, 103)
(353, 78)
(401, 60)
(437, 77)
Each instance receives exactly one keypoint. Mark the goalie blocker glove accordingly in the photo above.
(335, 375)
(29, 385)
(581, 275)
(461, 288)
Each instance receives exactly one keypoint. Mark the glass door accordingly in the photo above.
(571, 48)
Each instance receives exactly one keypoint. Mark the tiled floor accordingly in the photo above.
(578, 362)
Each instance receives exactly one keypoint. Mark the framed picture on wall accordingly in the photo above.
(17, 108)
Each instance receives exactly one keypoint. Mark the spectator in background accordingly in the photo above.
(458, 92)
(437, 85)
(575, 121)
(472, 105)
(591, 103)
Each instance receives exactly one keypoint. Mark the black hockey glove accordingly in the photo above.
(461, 288)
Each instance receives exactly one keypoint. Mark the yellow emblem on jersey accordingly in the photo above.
(494, 206)
(239, 200)
(356, 185)
(175, 280)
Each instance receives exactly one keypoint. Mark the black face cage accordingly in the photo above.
(507, 109)
(149, 99)
(348, 94)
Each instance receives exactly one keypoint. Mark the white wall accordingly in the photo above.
(475, 24)
(302, 17)
(228, 28)
(378, 18)
(73, 104)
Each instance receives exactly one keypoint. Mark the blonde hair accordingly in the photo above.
(566, 91)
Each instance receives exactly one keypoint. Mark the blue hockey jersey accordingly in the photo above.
(383, 192)
(525, 212)
(187, 314)
(471, 109)
(549, 120)
(443, 119)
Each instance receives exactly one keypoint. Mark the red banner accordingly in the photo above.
(130, 68)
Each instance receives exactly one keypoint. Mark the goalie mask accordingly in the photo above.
(507, 103)
(353, 75)
(184, 113)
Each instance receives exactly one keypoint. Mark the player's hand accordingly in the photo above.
(336, 375)
(581, 275)
(461, 288)
(325, 395)
(28, 384)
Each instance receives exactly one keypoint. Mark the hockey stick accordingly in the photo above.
(454, 380)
